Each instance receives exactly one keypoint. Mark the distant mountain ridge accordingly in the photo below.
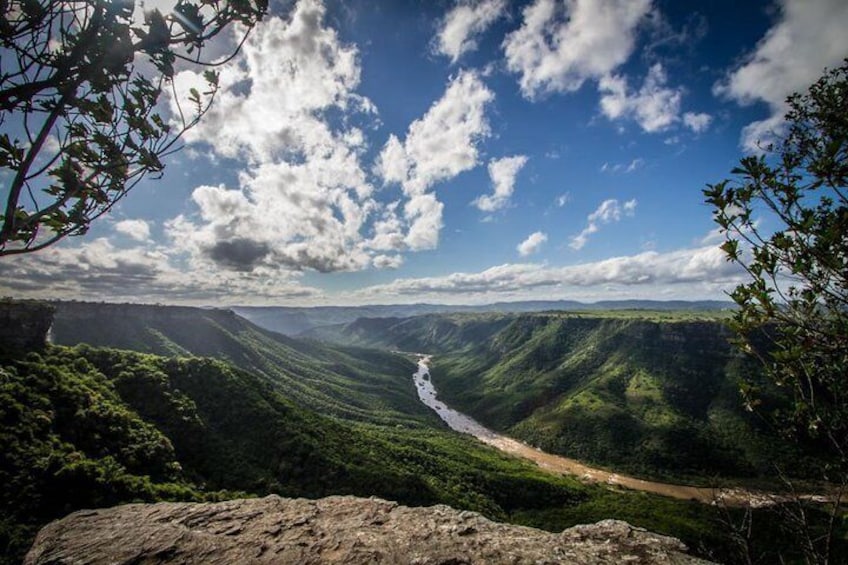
(648, 392)
(347, 382)
(297, 320)
(88, 427)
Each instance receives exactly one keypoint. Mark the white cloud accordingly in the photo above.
(608, 211)
(458, 31)
(438, 146)
(138, 230)
(288, 72)
(532, 244)
(560, 45)
(388, 261)
(697, 122)
(442, 143)
(424, 214)
(808, 36)
(388, 230)
(502, 172)
(686, 273)
(633, 165)
(654, 106)
(98, 270)
(393, 164)
(305, 200)
(296, 216)
(563, 199)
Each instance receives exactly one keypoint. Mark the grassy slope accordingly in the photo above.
(348, 382)
(653, 393)
(86, 427)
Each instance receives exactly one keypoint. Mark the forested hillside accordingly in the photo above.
(291, 320)
(89, 427)
(651, 393)
(349, 382)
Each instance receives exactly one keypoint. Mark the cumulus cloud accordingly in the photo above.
(99, 270)
(388, 261)
(423, 213)
(288, 108)
(289, 71)
(138, 230)
(808, 36)
(697, 272)
(305, 200)
(502, 172)
(532, 244)
(442, 143)
(609, 211)
(697, 122)
(560, 45)
(438, 146)
(458, 31)
(654, 106)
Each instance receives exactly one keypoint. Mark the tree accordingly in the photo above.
(79, 87)
(785, 220)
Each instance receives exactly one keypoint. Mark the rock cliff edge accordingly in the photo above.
(337, 529)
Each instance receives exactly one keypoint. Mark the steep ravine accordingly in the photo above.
(563, 465)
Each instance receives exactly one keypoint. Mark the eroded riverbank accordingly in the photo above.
(563, 465)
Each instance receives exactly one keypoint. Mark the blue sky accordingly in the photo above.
(458, 152)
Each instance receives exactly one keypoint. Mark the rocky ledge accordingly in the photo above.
(337, 529)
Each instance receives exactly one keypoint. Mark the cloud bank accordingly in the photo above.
(560, 45)
(701, 271)
(808, 36)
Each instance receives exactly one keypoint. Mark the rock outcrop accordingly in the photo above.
(337, 529)
(24, 324)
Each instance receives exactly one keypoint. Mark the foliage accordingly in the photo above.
(785, 220)
(78, 104)
(86, 427)
(652, 393)
(348, 382)
(91, 427)
(68, 442)
(797, 292)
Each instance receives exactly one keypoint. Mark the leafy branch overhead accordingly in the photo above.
(79, 89)
(785, 219)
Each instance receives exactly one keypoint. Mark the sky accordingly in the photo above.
(455, 152)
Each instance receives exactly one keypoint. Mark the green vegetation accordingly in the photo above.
(784, 216)
(348, 382)
(84, 427)
(651, 393)
(314, 320)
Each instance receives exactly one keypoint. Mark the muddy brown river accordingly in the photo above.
(563, 465)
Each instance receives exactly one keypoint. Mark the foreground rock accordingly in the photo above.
(337, 529)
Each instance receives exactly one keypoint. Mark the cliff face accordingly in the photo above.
(24, 324)
(337, 529)
(652, 393)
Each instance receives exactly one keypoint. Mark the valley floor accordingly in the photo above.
(730, 496)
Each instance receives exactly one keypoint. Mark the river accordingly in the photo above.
(563, 465)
